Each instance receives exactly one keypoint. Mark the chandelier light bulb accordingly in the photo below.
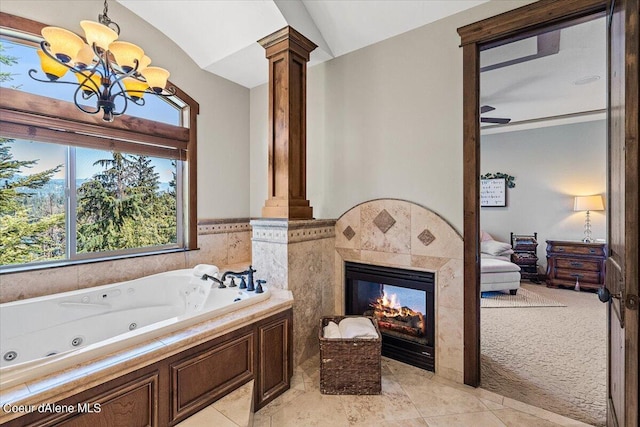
(134, 87)
(63, 43)
(156, 77)
(85, 57)
(126, 54)
(144, 63)
(98, 34)
(52, 68)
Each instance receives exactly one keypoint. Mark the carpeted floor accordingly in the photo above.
(551, 357)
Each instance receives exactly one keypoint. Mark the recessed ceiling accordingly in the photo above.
(220, 36)
(565, 84)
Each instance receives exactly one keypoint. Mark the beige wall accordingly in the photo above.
(383, 121)
(551, 166)
(223, 124)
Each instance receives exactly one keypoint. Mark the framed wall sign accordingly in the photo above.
(493, 192)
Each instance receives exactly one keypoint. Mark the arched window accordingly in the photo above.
(73, 187)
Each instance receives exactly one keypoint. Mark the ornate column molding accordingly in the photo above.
(288, 53)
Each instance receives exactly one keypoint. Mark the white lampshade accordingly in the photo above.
(588, 203)
(99, 34)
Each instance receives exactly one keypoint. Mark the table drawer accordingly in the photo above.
(577, 264)
(581, 275)
(577, 250)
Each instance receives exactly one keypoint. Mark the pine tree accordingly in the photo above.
(25, 237)
(121, 207)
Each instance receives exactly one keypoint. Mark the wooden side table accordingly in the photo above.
(525, 256)
(575, 264)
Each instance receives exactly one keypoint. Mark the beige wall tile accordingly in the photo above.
(239, 247)
(449, 339)
(30, 284)
(428, 263)
(164, 262)
(397, 238)
(213, 250)
(447, 242)
(450, 285)
(103, 273)
(386, 258)
(349, 219)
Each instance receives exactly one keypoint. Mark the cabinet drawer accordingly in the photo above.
(577, 264)
(577, 250)
(581, 275)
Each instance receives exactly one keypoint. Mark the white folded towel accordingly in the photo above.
(332, 331)
(202, 269)
(357, 327)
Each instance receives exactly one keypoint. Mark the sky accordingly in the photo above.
(52, 155)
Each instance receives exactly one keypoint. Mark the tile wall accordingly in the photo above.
(397, 233)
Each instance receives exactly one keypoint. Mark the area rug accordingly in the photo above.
(524, 298)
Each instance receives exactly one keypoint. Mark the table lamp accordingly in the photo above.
(588, 203)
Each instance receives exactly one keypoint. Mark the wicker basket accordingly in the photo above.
(349, 366)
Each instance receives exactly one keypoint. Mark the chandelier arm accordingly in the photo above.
(31, 73)
(95, 89)
(80, 106)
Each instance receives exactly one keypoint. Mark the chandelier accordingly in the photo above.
(106, 69)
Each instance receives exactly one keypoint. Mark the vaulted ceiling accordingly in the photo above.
(220, 35)
(559, 75)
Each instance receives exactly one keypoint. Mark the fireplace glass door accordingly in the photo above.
(402, 303)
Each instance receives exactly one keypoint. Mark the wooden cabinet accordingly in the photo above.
(575, 264)
(275, 346)
(525, 255)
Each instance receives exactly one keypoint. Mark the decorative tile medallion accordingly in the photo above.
(426, 237)
(384, 221)
(349, 233)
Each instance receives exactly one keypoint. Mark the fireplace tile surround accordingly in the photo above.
(406, 244)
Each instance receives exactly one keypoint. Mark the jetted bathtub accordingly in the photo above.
(48, 333)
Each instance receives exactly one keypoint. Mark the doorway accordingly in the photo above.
(623, 222)
(543, 125)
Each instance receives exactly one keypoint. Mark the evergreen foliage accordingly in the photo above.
(28, 230)
(121, 207)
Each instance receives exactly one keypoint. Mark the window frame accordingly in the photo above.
(29, 116)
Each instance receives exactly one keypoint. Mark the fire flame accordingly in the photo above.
(390, 306)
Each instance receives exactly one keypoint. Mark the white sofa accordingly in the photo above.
(499, 275)
(497, 272)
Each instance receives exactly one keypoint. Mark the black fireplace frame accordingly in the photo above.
(404, 350)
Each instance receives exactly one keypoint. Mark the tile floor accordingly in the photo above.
(410, 397)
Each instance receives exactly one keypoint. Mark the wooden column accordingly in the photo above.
(288, 53)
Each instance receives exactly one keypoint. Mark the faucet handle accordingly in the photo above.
(233, 283)
(243, 283)
(259, 284)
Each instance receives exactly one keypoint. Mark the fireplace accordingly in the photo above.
(402, 302)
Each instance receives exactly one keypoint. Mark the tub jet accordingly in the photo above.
(10, 356)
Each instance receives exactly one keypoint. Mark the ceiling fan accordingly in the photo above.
(496, 120)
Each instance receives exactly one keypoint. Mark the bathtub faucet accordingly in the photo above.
(249, 273)
(215, 279)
